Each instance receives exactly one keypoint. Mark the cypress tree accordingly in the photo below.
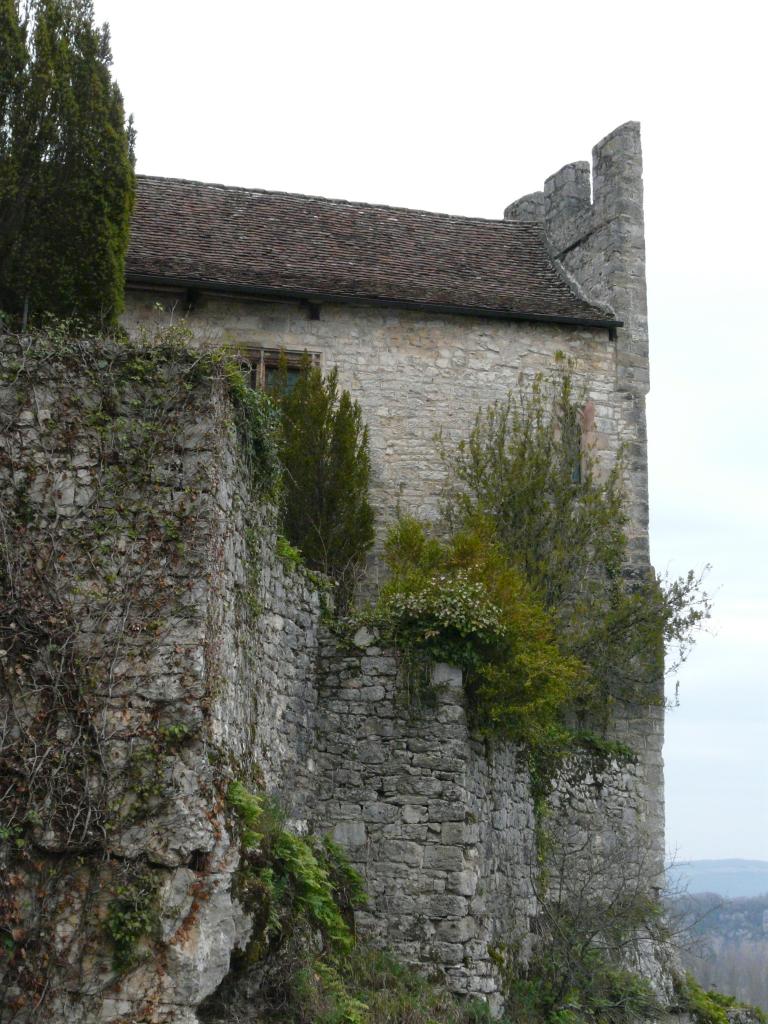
(13, 61)
(324, 451)
(66, 164)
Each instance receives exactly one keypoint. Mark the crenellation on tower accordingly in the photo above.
(567, 205)
(526, 209)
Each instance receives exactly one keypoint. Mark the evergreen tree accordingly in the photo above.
(327, 469)
(66, 164)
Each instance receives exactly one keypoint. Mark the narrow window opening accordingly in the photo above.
(570, 426)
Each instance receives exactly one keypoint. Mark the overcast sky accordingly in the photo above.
(463, 107)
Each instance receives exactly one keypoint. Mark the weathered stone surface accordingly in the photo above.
(210, 687)
(434, 834)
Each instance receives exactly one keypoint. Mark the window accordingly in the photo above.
(576, 430)
(570, 425)
(265, 365)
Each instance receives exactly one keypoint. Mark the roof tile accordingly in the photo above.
(275, 242)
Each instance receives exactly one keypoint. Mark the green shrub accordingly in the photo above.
(709, 1007)
(558, 520)
(562, 525)
(324, 451)
(367, 987)
(463, 602)
(394, 993)
(568, 981)
(288, 554)
(287, 880)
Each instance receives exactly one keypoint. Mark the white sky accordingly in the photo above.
(463, 107)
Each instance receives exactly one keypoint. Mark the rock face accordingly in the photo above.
(152, 648)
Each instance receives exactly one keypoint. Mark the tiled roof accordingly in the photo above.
(237, 239)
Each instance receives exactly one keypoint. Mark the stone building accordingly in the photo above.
(428, 318)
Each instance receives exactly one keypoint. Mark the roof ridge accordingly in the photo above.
(343, 202)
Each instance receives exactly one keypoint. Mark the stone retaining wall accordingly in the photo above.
(440, 826)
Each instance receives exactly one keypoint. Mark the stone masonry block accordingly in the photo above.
(444, 858)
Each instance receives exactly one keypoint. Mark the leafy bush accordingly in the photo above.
(594, 991)
(463, 602)
(288, 554)
(324, 451)
(578, 972)
(557, 519)
(709, 1007)
(562, 524)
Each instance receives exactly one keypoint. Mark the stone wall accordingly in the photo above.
(137, 546)
(263, 710)
(593, 217)
(594, 223)
(439, 823)
(131, 514)
(153, 647)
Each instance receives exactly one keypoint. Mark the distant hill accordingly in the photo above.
(724, 942)
(729, 878)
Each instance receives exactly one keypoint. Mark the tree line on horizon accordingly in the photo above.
(724, 942)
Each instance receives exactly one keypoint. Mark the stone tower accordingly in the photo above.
(593, 218)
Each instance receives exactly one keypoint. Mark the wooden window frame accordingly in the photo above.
(262, 359)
